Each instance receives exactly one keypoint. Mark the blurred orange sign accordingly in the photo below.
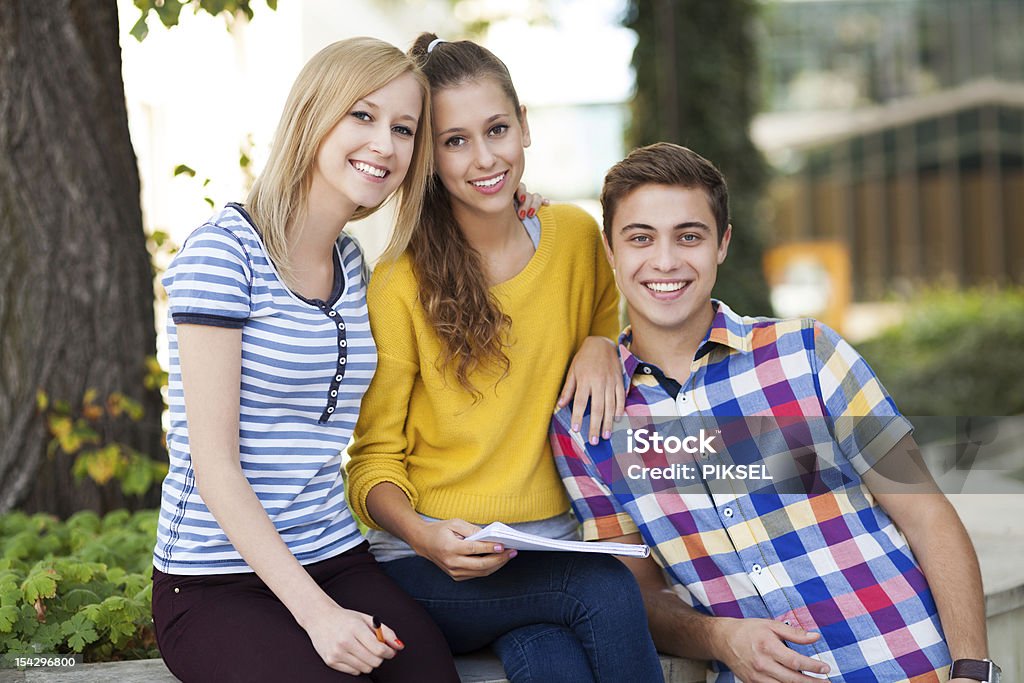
(810, 279)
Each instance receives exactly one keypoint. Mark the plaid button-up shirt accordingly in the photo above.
(808, 547)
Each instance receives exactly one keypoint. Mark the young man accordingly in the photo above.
(813, 564)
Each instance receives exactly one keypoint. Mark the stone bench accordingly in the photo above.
(477, 668)
(994, 523)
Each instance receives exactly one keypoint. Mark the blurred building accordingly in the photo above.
(897, 129)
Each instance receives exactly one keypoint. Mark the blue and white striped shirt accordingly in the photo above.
(305, 367)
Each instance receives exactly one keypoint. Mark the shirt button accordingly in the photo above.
(647, 370)
(343, 343)
(330, 409)
(337, 378)
(727, 512)
(341, 326)
(334, 392)
(682, 398)
(341, 361)
(787, 622)
(333, 313)
(177, 590)
(756, 569)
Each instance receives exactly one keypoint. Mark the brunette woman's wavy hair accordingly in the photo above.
(454, 293)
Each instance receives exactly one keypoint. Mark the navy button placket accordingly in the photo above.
(332, 392)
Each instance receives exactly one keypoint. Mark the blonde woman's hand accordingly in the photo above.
(444, 543)
(595, 375)
(346, 641)
(529, 202)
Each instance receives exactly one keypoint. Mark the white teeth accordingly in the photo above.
(488, 183)
(369, 170)
(665, 286)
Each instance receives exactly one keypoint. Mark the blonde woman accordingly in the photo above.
(260, 572)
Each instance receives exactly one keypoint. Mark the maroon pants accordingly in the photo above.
(231, 627)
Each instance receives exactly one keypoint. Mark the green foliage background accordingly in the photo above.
(957, 353)
(80, 586)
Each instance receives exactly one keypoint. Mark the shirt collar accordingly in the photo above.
(727, 328)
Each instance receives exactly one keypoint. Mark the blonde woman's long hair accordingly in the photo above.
(325, 90)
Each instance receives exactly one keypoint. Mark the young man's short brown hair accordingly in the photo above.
(664, 163)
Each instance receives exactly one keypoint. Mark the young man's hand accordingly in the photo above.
(755, 650)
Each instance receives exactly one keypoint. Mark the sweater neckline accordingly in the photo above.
(538, 261)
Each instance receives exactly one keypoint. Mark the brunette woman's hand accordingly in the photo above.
(595, 375)
(528, 202)
(346, 641)
(444, 543)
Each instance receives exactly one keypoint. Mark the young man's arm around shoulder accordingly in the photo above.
(906, 491)
(754, 649)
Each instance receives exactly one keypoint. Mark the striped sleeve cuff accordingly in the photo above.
(209, 320)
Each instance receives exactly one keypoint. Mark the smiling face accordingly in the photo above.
(365, 157)
(479, 144)
(666, 253)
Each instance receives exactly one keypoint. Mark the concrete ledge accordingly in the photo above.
(477, 668)
(994, 523)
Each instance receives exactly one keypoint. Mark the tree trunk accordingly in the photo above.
(76, 294)
(697, 86)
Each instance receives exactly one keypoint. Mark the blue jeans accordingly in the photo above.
(551, 616)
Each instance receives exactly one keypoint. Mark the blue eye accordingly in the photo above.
(404, 131)
(362, 115)
(690, 238)
(640, 239)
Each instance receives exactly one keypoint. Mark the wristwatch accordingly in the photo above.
(976, 670)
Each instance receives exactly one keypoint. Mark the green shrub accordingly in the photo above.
(80, 586)
(957, 353)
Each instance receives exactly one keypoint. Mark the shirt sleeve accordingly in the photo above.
(378, 452)
(864, 418)
(210, 280)
(595, 506)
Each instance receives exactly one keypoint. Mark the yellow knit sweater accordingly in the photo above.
(490, 460)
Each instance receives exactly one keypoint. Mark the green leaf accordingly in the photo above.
(272, 4)
(168, 11)
(137, 476)
(214, 7)
(8, 616)
(40, 584)
(140, 30)
(80, 631)
(159, 237)
(209, 201)
(47, 637)
(182, 169)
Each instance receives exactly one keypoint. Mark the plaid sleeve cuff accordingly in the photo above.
(873, 450)
(601, 528)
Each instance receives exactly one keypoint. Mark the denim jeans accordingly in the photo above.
(552, 617)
